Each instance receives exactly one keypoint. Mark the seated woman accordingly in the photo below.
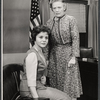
(34, 77)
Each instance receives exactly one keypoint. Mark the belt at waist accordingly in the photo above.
(67, 44)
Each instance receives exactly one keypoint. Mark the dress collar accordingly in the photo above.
(58, 18)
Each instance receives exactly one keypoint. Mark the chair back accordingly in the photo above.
(86, 52)
(11, 81)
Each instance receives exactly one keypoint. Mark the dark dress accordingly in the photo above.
(64, 44)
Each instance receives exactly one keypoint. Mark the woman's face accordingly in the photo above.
(58, 8)
(42, 39)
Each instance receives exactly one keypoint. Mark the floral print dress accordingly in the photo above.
(64, 44)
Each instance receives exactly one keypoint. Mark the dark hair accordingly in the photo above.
(36, 30)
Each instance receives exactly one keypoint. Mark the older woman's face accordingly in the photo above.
(58, 8)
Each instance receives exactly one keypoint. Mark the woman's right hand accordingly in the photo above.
(72, 62)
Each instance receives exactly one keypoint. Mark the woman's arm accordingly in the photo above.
(33, 91)
(31, 73)
(75, 38)
(75, 41)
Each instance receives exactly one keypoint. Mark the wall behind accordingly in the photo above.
(16, 15)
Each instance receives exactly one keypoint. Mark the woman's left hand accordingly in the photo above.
(72, 62)
(43, 80)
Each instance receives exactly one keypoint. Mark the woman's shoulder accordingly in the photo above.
(31, 55)
(49, 23)
(69, 17)
(50, 20)
(31, 52)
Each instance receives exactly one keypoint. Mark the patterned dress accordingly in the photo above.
(64, 44)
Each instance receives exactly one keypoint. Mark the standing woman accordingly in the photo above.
(63, 69)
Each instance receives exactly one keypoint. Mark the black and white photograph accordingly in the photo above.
(49, 50)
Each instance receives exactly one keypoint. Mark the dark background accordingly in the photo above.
(99, 55)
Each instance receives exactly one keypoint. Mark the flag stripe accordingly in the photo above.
(29, 34)
(31, 25)
(38, 19)
(36, 22)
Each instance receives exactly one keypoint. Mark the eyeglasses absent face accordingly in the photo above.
(42, 39)
(58, 8)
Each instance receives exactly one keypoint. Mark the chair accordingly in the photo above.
(11, 82)
(86, 52)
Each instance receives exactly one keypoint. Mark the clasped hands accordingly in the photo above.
(43, 79)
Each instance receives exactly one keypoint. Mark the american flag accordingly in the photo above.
(35, 19)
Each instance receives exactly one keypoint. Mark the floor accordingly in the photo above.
(86, 98)
(81, 98)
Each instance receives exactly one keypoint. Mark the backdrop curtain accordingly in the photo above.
(93, 26)
(44, 11)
